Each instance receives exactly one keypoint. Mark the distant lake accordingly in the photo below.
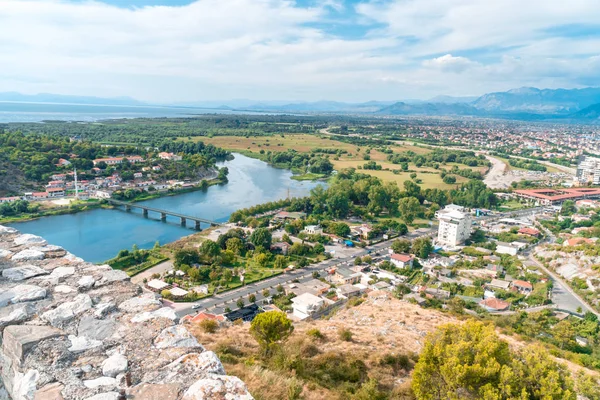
(98, 235)
(37, 112)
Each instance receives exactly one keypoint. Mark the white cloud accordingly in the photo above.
(265, 49)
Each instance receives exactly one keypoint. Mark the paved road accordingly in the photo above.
(219, 302)
(157, 269)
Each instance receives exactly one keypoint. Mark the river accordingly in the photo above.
(98, 235)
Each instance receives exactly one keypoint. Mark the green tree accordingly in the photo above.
(235, 244)
(422, 247)
(340, 229)
(210, 248)
(357, 261)
(240, 303)
(409, 208)
(280, 262)
(271, 328)
(186, 256)
(252, 298)
(401, 246)
(261, 237)
(261, 259)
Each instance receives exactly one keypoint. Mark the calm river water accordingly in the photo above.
(98, 235)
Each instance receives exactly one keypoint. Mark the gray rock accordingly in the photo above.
(98, 329)
(16, 313)
(23, 272)
(86, 282)
(164, 312)
(80, 344)
(62, 272)
(113, 275)
(101, 382)
(140, 303)
(21, 293)
(176, 336)
(114, 365)
(28, 255)
(104, 308)
(105, 396)
(25, 385)
(28, 238)
(218, 387)
(17, 340)
(4, 230)
(64, 289)
(195, 364)
(67, 311)
(5, 253)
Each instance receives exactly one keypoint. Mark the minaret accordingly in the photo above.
(76, 188)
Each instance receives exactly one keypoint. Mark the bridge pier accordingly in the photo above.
(183, 221)
(145, 212)
(163, 216)
(197, 225)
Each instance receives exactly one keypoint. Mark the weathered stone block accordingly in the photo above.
(17, 340)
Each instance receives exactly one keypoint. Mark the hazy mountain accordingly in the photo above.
(60, 98)
(322, 106)
(540, 101)
(402, 108)
(591, 112)
(452, 99)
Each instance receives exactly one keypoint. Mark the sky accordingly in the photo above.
(166, 51)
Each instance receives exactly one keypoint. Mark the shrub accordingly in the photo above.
(345, 335)
(209, 325)
(315, 334)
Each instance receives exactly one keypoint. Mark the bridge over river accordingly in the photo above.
(163, 213)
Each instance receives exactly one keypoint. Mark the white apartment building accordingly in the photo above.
(306, 304)
(588, 170)
(455, 225)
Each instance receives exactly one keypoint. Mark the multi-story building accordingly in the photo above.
(455, 225)
(588, 170)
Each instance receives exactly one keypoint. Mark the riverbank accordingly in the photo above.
(74, 207)
(298, 175)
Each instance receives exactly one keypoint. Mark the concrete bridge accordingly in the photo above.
(163, 213)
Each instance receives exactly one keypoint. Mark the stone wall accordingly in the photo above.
(74, 330)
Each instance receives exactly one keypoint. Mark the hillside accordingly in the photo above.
(592, 112)
(402, 108)
(316, 363)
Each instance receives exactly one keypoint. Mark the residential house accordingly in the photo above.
(506, 248)
(55, 192)
(493, 304)
(495, 268)
(529, 232)
(63, 163)
(402, 260)
(347, 291)
(280, 247)
(196, 319)
(178, 293)
(9, 199)
(440, 294)
(306, 305)
(59, 177)
(169, 156)
(313, 230)
(138, 175)
(156, 285)
(523, 287)
(498, 284)
(576, 241)
(346, 276)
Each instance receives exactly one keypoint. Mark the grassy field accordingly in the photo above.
(510, 167)
(352, 159)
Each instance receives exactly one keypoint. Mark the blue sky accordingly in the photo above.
(304, 50)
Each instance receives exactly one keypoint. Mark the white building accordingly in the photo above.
(506, 248)
(588, 170)
(455, 225)
(313, 230)
(306, 305)
(402, 260)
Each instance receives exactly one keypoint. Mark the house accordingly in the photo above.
(178, 293)
(195, 319)
(63, 163)
(156, 285)
(9, 199)
(365, 231)
(156, 168)
(313, 230)
(346, 276)
(529, 232)
(498, 284)
(316, 287)
(280, 247)
(169, 156)
(523, 287)
(440, 294)
(347, 291)
(39, 195)
(283, 215)
(381, 285)
(306, 305)
(506, 248)
(103, 194)
(138, 175)
(402, 260)
(416, 297)
(246, 314)
(59, 177)
(492, 304)
(55, 192)
(118, 160)
(495, 268)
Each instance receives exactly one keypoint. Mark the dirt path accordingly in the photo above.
(495, 178)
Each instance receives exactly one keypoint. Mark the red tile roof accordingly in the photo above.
(402, 257)
(494, 304)
(529, 231)
(522, 284)
(202, 316)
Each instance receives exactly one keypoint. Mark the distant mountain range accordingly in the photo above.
(524, 103)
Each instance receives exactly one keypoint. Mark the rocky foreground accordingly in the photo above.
(74, 330)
